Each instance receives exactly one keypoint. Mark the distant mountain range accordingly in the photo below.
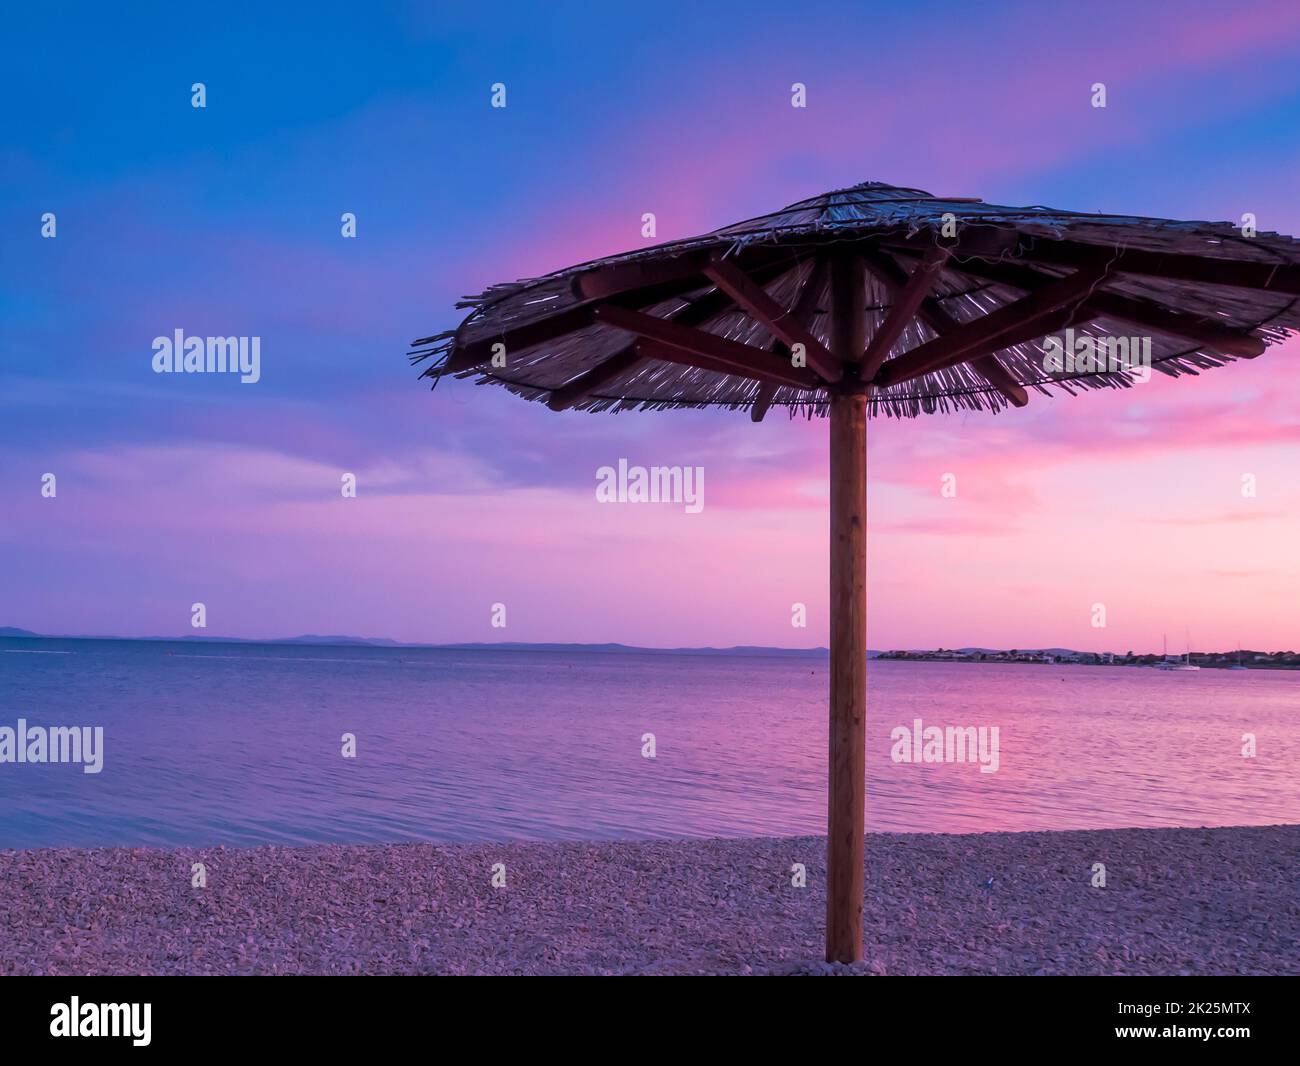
(387, 642)
(739, 649)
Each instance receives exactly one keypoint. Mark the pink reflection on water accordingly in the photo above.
(240, 744)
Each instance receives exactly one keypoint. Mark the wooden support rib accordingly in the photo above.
(1281, 278)
(810, 295)
(576, 317)
(805, 306)
(746, 360)
(906, 303)
(1027, 330)
(986, 334)
(997, 375)
(1137, 312)
(647, 348)
(1212, 335)
(695, 313)
(762, 401)
(781, 323)
(468, 356)
(620, 363)
(933, 314)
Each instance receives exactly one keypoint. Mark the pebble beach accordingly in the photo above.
(1175, 901)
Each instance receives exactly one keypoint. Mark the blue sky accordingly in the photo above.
(225, 220)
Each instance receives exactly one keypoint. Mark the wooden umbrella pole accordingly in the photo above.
(848, 624)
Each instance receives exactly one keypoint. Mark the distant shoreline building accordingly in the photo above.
(1278, 660)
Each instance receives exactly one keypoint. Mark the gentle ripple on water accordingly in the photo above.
(240, 744)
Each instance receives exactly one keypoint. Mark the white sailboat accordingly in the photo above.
(1183, 664)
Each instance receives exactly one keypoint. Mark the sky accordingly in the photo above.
(173, 490)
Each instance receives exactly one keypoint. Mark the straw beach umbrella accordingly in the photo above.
(868, 301)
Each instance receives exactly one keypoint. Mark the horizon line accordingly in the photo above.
(322, 640)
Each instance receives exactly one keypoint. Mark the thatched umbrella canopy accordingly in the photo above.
(874, 300)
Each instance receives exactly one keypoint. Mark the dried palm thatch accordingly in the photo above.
(954, 322)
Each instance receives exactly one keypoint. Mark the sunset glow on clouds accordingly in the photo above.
(225, 221)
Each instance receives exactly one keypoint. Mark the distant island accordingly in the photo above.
(1245, 658)
(386, 642)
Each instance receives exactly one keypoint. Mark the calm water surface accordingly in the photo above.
(240, 744)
